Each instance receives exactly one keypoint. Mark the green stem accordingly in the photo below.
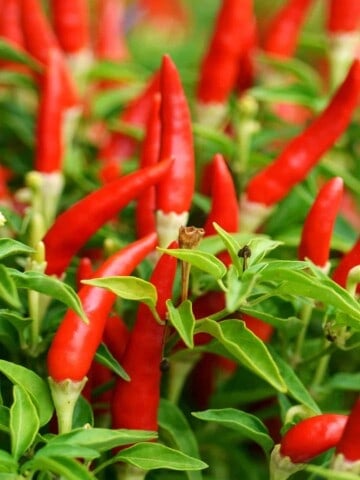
(305, 316)
(130, 472)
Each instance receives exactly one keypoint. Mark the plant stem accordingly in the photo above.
(305, 316)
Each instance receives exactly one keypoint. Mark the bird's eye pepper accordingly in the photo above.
(71, 24)
(220, 65)
(305, 441)
(347, 262)
(347, 456)
(175, 192)
(109, 40)
(301, 154)
(135, 403)
(75, 342)
(150, 151)
(319, 223)
(119, 146)
(76, 225)
(283, 31)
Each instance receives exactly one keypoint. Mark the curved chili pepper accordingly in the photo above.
(120, 146)
(224, 205)
(75, 343)
(284, 29)
(71, 24)
(49, 133)
(312, 436)
(348, 444)
(76, 225)
(301, 154)
(220, 65)
(319, 223)
(109, 41)
(174, 193)
(135, 403)
(347, 262)
(343, 16)
(145, 207)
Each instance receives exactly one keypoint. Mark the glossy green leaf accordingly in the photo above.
(202, 260)
(177, 430)
(244, 346)
(9, 246)
(319, 287)
(102, 439)
(62, 466)
(183, 320)
(8, 464)
(149, 456)
(24, 422)
(50, 286)
(69, 451)
(232, 247)
(33, 384)
(104, 357)
(245, 423)
(295, 387)
(8, 290)
(128, 287)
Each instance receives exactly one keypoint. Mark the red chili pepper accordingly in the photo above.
(71, 24)
(75, 343)
(224, 206)
(312, 436)
(220, 65)
(175, 192)
(109, 42)
(49, 128)
(76, 225)
(343, 16)
(120, 146)
(284, 29)
(348, 261)
(40, 40)
(145, 207)
(349, 445)
(135, 403)
(10, 23)
(319, 223)
(164, 14)
(116, 336)
(246, 71)
(84, 270)
(301, 154)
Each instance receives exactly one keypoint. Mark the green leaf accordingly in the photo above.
(83, 413)
(8, 290)
(294, 385)
(331, 474)
(130, 288)
(345, 381)
(24, 422)
(50, 286)
(102, 439)
(249, 425)
(8, 464)
(9, 246)
(69, 451)
(4, 419)
(62, 466)
(176, 429)
(32, 384)
(104, 357)
(245, 346)
(183, 320)
(201, 260)
(232, 247)
(149, 456)
(318, 287)
(10, 53)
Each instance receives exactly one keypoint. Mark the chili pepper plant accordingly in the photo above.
(179, 239)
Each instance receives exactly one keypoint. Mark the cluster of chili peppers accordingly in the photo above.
(162, 188)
